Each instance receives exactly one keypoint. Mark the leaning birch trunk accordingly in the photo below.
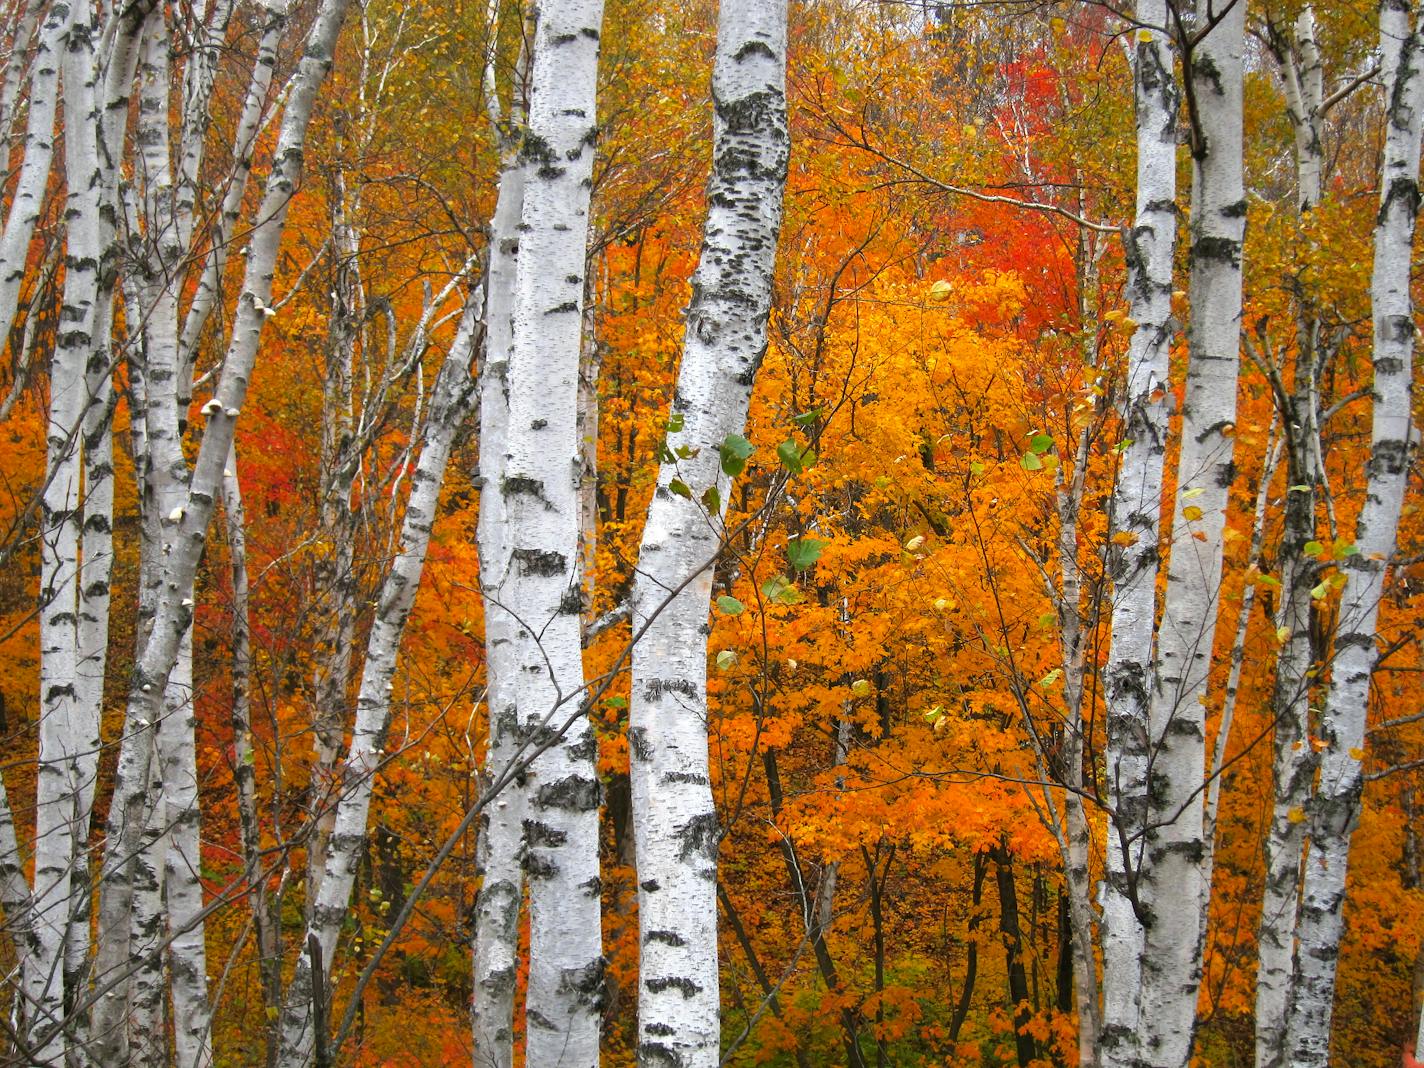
(184, 530)
(15, 67)
(1335, 810)
(1171, 871)
(500, 859)
(674, 817)
(542, 547)
(1136, 517)
(450, 404)
(1292, 756)
(27, 201)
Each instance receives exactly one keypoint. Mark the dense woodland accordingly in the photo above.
(878, 533)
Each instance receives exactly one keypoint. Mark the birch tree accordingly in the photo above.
(1334, 810)
(674, 818)
(540, 554)
(1136, 518)
(500, 863)
(451, 402)
(1171, 872)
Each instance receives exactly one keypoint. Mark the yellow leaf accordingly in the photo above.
(1192, 512)
(1125, 537)
(1356, 753)
(1296, 815)
(939, 292)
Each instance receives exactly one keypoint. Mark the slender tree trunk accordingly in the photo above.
(1293, 764)
(1136, 518)
(1172, 872)
(1335, 810)
(501, 845)
(540, 580)
(1012, 936)
(27, 201)
(675, 820)
(450, 404)
(269, 961)
(184, 529)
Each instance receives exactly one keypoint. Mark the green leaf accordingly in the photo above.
(712, 500)
(681, 488)
(804, 552)
(1031, 462)
(789, 453)
(676, 421)
(1312, 548)
(1040, 443)
(781, 591)
(730, 606)
(726, 658)
(1347, 549)
(733, 452)
(860, 687)
(976, 468)
(687, 452)
(1319, 592)
(808, 459)
(665, 455)
(617, 702)
(1298, 489)
(808, 417)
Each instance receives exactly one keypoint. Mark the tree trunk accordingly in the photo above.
(1172, 871)
(501, 845)
(450, 404)
(1136, 518)
(1293, 764)
(1335, 810)
(675, 820)
(540, 572)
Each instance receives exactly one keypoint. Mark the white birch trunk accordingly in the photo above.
(450, 404)
(500, 850)
(143, 1038)
(62, 741)
(674, 817)
(1335, 809)
(14, 76)
(540, 492)
(1136, 512)
(1293, 765)
(27, 202)
(1171, 871)
(184, 530)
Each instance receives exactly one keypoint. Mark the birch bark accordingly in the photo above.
(1172, 872)
(27, 202)
(1136, 515)
(450, 404)
(540, 493)
(1334, 811)
(674, 817)
(184, 530)
(1292, 756)
(501, 893)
